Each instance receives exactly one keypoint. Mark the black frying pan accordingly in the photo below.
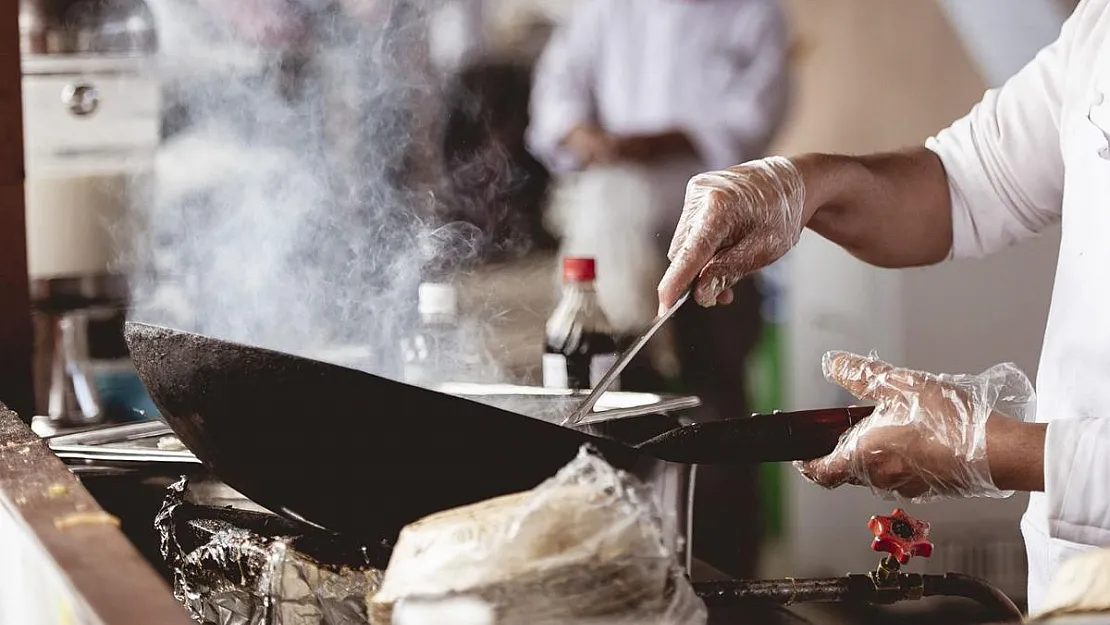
(364, 455)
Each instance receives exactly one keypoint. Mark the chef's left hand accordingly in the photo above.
(927, 439)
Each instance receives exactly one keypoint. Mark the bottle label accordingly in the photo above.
(555, 371)
(599, 365)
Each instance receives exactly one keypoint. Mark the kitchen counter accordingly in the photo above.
(65, 560)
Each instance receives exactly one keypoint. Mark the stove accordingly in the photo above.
(231, 562)
(236, 564)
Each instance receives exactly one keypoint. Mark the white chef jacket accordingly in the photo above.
(1034, 153)
(716, 69)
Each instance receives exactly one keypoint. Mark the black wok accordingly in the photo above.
(364, 455)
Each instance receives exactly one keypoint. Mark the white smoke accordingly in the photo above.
(295, 208)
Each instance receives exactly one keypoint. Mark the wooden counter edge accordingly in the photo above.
(91, 552)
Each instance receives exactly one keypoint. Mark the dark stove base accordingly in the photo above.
(194, 527)
(136, 501)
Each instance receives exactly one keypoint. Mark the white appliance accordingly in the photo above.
(91, 120)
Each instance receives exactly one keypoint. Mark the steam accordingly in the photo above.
(299, 205)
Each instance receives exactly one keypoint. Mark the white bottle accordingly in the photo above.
(432, 352)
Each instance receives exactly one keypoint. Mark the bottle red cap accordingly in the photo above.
(579, 269)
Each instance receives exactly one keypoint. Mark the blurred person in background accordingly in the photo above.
(631, 98)
(1032, 154)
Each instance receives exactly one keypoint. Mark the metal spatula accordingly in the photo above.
(618, 367)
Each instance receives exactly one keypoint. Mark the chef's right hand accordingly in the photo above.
(591, 145)
(734, 222)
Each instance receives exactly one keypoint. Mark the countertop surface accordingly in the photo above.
(67, 545)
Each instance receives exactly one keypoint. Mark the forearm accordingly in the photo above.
(889, 210)
(1015, 451)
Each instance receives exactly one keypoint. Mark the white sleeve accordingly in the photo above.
(562, 86)
(742, 120)
(1003, 160)
(1077, 479)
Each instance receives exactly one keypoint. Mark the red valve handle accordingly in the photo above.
(900, 535)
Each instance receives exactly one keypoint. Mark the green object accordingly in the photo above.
(765, 384)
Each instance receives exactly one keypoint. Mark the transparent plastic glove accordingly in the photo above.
(734, 222)
(927, 439)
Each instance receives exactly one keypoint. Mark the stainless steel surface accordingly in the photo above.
(73, 398)
(121, 454)
(611, 375)
(109, 453)
(112, 434)
(58, 27)
(673, 488)
(556, 405)
(114, 449)
(68, 304)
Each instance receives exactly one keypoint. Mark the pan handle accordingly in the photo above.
(776, 437)
(808, 434)
(820, 422)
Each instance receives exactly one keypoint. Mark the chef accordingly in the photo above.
(1031, 154)
(630, 98)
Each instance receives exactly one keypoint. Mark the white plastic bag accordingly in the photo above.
(586, 546)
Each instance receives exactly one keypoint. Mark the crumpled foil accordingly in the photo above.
(241, 578)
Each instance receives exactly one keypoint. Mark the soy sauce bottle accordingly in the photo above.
(581, 345)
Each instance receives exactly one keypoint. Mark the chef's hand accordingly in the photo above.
(591, 144)
(927, 439)
(734, 222)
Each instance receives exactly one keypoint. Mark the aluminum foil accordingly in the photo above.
(241, 578)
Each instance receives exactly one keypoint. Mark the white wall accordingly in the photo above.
(1002, 35)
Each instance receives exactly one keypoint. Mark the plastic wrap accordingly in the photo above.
(927, 439)
(586, 546)
(237, 577)
(734, 222)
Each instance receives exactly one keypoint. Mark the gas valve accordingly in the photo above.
(902, 537)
